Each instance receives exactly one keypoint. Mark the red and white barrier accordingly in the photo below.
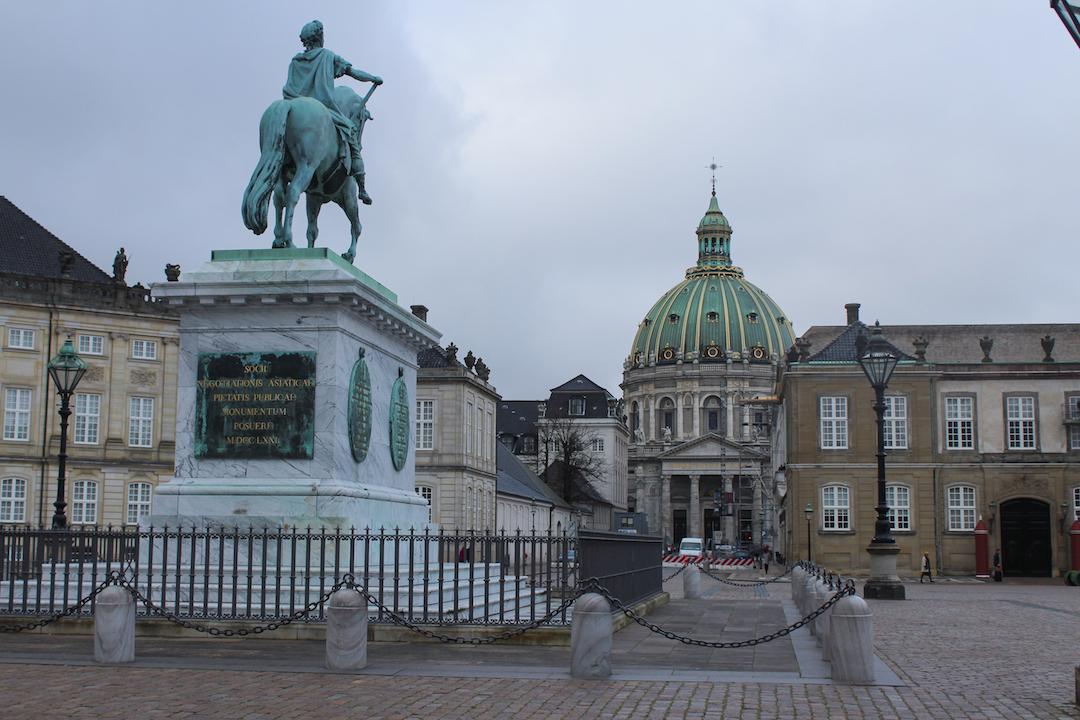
(677, 560)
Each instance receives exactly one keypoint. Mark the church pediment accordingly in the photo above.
(713, 447)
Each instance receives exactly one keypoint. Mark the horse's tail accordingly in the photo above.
(265, 176)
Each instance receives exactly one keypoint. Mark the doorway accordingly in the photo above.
(1025, 538)
(678, 525)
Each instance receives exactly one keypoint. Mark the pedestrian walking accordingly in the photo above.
(999, 572)
(765, 560)
(925, 568)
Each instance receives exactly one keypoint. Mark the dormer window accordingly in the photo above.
(753, 318)
(577, 407)
(673, 318)
(713, 317)
(645, 322)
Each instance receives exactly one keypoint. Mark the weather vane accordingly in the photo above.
(713, 166)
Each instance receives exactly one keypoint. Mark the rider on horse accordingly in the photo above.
(312, 74)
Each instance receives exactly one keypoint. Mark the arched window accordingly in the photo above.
(835, 507)
(635, 421)
(84, 495)
(138, 502)
(12, 500)
(712, 415)
(898, 498)
(712, 316)
(673, 318)
(666, 415)
(960, 506)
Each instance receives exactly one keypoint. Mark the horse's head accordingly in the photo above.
(351, 104)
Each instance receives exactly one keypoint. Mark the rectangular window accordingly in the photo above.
(898, 498)
(833, 416)
(835, 508)
(138, 502)
(959, 423)
(17, 414)
(425, 424)
(489, 433)
(598, 444)
(479, 431)
(144, 349)
(895, 422)
(141, 422)
(577, 406)
(1076, 503)
(961, 508)
(20, 339)
(1072, 412)
(1020, 415)
(469, 420)
(714, 420)
(87, 418)
(84, 502)
(91, 344)
(426, 493)
(611, 410)
(12, 500)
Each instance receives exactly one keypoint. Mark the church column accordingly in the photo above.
(730, 411)
(695, 506)
(697, 413)
(729, 520)
(665, 508)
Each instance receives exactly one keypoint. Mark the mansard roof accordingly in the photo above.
(27, 248)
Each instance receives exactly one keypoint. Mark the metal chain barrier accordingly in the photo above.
(849, 589)
(675, 574)
(747, 583)
(114, 578)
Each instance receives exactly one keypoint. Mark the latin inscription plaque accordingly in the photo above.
(256, 405)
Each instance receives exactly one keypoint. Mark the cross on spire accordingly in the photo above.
(713, 166)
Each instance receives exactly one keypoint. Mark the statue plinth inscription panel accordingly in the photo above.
(255, 405)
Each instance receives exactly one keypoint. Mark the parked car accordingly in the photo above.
(692, 547)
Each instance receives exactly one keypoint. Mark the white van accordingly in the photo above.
(692, 547)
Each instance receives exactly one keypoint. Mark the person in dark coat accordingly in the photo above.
(998, 571)
(925, 568)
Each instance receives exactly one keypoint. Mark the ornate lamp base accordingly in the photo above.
(884, 583)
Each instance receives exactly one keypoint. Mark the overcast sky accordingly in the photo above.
(538, 168)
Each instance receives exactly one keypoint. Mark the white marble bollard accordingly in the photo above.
(852, 630)
(797, 577)
(822, 622)
(808, 598)
(114, 626)
(691, 584)
(590, 638)
(346, 630)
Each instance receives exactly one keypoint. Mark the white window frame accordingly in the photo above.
(960, 508)
(18, 403)
(87, 430)
(1076, 503)
(833, 422)
(88, 347)
(835, 508)
(1072, 403)
(13, 500)
(425, 424)
(960, 422)
(21, 338)
(143, 349)
(597, 445)
(428, 494)
(894, 425)
(139, 498)
(479, 447)
(140, 421)
(898, 498)
(1021, 432)
(579, 404)
(84, 500)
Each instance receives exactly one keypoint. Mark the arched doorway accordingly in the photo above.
(1025, 537)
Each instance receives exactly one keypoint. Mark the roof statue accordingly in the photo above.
(310, 143)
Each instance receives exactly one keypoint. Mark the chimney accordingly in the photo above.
(419, 311)
(852, 312)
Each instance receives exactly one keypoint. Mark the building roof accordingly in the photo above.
(715, 313)
(516, 417)
(432, 357)
(1012, 343)
(580, 384)
(844, 347)
(515, 478)
(29, 249)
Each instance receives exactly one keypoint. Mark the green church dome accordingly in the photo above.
(715, 314)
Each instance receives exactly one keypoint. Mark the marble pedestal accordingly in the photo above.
(295, 301)
(883, 583)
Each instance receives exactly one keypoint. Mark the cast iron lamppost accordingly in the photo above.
(1070, 17)
(809, 512)
(878, 362)
(66, 370)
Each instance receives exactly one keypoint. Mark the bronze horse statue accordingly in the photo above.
(302, 153)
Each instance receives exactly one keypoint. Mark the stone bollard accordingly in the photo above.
(691, 584)
(114, 626)
(346, 630)
(852, 630)
(797, 577)
(590, 638)
(822, 622)
(808, 595)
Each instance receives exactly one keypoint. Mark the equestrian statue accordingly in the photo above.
(310, 143)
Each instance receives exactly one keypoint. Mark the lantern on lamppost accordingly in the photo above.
(66, 370)
(809, 512)
(878, 361)
(1070, 17)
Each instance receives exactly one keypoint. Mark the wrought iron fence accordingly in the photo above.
(233, 573)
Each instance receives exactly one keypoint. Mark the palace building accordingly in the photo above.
(699, 387)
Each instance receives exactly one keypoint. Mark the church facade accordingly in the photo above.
(699, 391)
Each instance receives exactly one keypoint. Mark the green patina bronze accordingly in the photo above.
(310, 142)
(255, 405)
(360, 409)
(399, 421)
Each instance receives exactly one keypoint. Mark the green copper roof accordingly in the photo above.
(715, 314)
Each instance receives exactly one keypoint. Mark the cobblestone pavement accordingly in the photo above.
(965, 650)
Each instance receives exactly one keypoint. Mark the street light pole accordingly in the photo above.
(809, 512)
(66, 370)
(878, 361)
